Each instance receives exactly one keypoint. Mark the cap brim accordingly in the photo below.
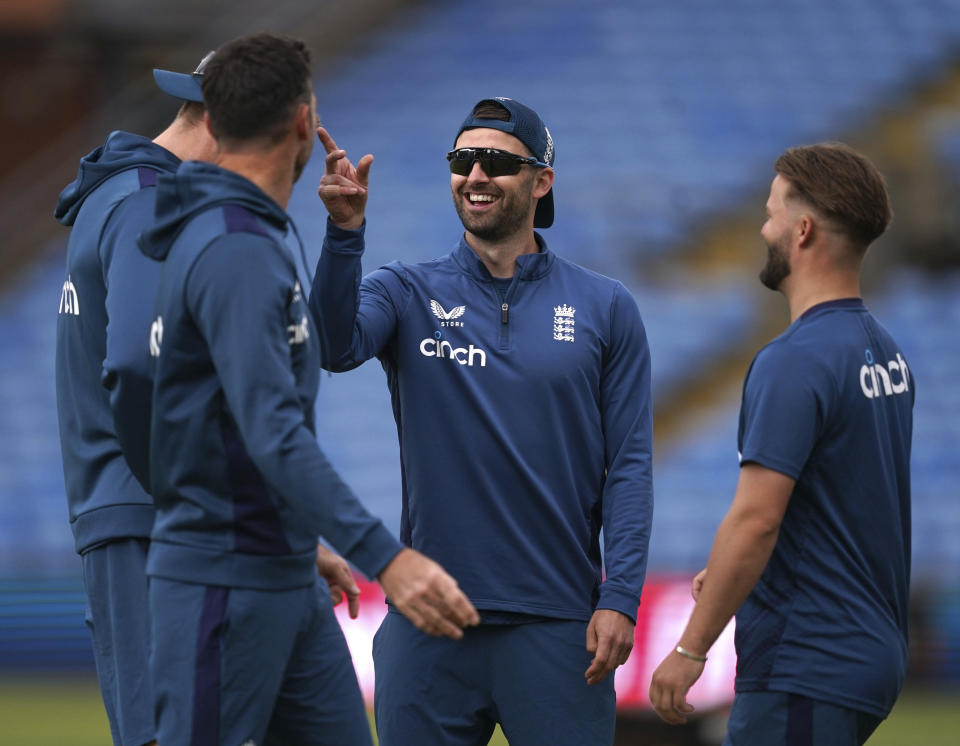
(543, 215)
(179, 85)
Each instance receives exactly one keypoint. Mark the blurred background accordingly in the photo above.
(667, 116)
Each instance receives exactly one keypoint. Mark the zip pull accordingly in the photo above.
(504, 313)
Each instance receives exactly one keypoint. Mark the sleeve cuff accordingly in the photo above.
(342, 241)
(375, 552)
(625, 603)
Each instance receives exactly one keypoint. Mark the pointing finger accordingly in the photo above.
(328, 143)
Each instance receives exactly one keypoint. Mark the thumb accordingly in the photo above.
(592, 639)
(363, 169)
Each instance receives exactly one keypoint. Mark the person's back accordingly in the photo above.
(104, 315)
(235, 507)
(246, 646)
(828, 617)
(105, 500)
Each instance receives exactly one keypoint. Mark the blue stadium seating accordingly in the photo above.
(664, 114)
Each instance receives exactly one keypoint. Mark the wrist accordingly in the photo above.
(691, 654)
(349, 226)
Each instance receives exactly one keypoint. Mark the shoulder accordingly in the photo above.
(593, 279)
(411, 273)
(794, 356)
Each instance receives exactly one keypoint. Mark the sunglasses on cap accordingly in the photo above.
(493, 162)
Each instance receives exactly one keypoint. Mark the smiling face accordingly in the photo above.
(494, 208)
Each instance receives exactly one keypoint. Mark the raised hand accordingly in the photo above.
(343, 188)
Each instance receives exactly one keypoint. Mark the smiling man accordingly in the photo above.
(813, 555)
(542, 371)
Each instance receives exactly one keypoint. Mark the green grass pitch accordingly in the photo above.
(56, 712)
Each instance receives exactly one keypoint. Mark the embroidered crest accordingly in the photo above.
(563, 323)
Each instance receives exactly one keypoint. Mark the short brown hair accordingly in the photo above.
(253, 85)
(842, 185)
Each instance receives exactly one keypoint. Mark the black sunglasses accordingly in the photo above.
(493, 162)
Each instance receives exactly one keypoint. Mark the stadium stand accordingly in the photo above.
(665, 116)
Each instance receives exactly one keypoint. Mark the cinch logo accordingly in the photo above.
(69, 302)
(441, 348)
(875, 377)
(156, 336)
(446, 317)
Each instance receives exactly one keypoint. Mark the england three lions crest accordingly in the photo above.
(563, 323)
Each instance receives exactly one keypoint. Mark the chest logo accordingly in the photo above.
(563, 323)
(447, 318)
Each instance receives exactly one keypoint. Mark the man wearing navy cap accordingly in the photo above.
(103, 323)
(521, 390)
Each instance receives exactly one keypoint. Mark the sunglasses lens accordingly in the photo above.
(501, 166)
(493, 164)
(460, 165)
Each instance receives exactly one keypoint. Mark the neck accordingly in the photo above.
(500, 257)
(184, 140)
(802, 296)
(269, 169)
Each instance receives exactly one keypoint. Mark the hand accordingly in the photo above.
(610, 639)
(697, 585)
(343, 188)
(670, 684)
(424, 593)
(334, 569)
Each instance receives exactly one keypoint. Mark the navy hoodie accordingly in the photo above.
(524, 419)
(109, 203)
(241, 486)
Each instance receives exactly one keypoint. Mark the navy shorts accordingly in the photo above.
(784, 719)
(527, 677)
(237, 666)
(117, 614)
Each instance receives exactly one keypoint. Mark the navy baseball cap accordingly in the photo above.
(186, 86)
(527, 126)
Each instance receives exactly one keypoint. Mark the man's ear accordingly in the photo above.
(543, 182)
(805, 230)
(303, 122)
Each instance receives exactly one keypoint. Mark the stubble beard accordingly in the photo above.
(777, 268)
(510, 214)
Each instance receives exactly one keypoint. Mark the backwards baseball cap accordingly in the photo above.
(527, 126)
(186, 86)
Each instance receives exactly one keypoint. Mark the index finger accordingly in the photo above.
(326, 140)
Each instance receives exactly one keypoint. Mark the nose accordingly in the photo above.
(477, 173)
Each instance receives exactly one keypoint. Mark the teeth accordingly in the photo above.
(481, 197)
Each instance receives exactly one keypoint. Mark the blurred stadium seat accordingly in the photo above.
(665, 116)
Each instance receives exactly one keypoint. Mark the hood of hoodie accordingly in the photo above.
(121, 151)
(195, 188)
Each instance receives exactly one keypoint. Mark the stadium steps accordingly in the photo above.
(143, 40)
(899, 141)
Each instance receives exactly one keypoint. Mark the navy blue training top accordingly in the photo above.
(524, 418)
(242, 489)
(102, 309)
(829, 403)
